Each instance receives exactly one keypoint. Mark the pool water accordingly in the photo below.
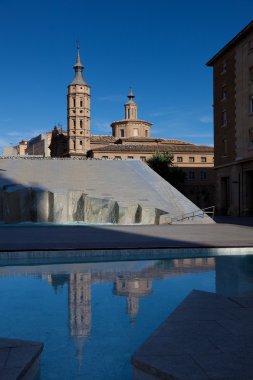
(93, 316)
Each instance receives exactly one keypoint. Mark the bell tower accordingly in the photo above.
(131, 107)
(78, 104)
(131, 126)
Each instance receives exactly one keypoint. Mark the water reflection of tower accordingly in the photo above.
(133, 288)
(79, 310)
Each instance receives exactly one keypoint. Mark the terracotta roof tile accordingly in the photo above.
(174, 148)
(102, 139)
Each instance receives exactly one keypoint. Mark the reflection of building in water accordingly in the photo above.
(56, 280)
(79, 310)
(79, 305)
(133, 288)
(234, 275)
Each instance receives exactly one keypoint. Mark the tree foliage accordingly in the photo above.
(162, 164)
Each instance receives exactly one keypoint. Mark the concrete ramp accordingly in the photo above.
(89, 191)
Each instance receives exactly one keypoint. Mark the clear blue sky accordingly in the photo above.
(160, 46)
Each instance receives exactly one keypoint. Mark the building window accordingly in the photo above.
(191, 175)
(81, 124)
(224, 93)
(81, 143)
(191, 159)
(143, 158)
(224, 118)
(203, 159)
(251, 138)
(203, 176)
(81, 103)
(74, 102)
(179, 159)
(136, 132)
(105, 157)
(225, 147)
(122, 133)
(130, 157)
(74, 123)
(251, 104)
(118, 158)
(128, 112)
(146, 133)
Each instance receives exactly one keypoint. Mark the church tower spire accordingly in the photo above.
(131, 106)
(78, 112)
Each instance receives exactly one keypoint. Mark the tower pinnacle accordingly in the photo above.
(78, 67)
(131, 95)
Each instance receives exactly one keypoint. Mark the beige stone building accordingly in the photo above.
(39, 145)
(18, 150)
(233, 124)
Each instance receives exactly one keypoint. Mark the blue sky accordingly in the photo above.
(160, 46)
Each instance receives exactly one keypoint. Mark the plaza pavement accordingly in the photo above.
(113, 237)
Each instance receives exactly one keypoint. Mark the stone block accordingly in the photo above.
(58, 207)
(164, 219)
(127, 213)
(76, 201)
(40, 206)
(98, 210)
(17, 202)
(151, 215)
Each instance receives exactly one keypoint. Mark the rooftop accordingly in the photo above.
(154, 147)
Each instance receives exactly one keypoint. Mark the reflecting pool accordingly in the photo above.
(93, 316)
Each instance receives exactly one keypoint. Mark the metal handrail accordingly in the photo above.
(190, 215)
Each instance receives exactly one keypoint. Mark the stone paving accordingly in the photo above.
(124, 237)
(19, 359)
(207, 337)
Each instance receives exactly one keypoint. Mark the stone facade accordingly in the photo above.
(233, 124)
(39, 145)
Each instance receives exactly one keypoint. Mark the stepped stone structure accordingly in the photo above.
(90, 191)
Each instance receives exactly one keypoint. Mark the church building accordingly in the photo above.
(130, 139)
